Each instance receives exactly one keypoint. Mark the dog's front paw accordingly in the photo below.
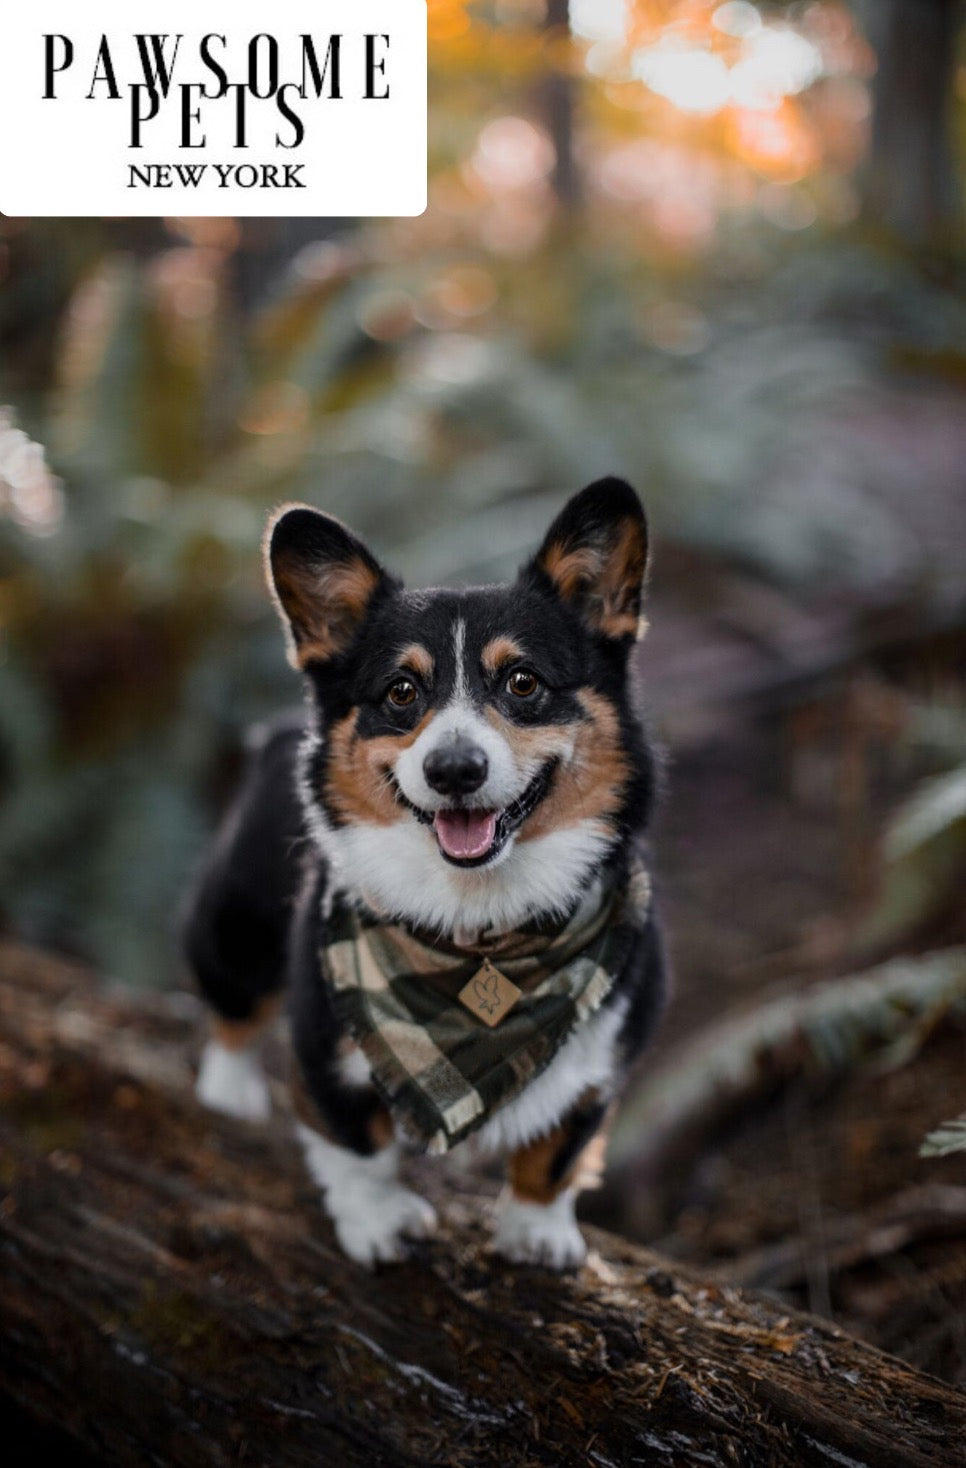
(233, 1082)
(544, 1234)
(376, 1224)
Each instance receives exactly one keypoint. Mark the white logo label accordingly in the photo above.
(213, 107)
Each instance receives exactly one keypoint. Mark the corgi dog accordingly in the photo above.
(439, 866)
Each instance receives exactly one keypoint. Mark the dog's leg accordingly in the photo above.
(537, 1224)
(347, 1140)
(235, 925)
(230, 1075)
(345, 1131)
(374, 1216)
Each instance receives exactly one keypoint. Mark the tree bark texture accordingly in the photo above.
(170, 1294)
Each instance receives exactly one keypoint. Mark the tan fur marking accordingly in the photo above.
(588, 785)
(499, 651)
(381, 1130)
(608, 577)
(238, 1034)
(328, 606)
(319, 606)
(356, 784)
(571, 567)
(417, 659)
(620, 588)
(534, 745)
(529, 1168)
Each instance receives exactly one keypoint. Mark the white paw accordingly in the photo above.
(232, 1081)
(375, 1217)
(534, 1233)
(376, 1225)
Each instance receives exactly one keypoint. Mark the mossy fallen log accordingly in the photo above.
(170, 1294)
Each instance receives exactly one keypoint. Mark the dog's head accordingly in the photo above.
(476, 758)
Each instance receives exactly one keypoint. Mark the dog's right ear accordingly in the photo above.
(323, 579)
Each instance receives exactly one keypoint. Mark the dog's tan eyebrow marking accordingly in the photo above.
(498, 651)
(417, 659)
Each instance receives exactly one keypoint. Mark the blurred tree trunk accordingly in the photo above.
(559, 105)
(910, 180)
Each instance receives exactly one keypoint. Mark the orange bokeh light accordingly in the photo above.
(778, 142)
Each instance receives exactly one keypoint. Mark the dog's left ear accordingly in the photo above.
(595, 557)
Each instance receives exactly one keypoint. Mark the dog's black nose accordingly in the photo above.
(457, 767)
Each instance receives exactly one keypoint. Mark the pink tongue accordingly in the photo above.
(465, 833)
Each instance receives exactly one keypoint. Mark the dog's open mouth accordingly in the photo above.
(466, 835)
(469, 837)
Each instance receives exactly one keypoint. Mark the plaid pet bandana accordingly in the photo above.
(451, 1033)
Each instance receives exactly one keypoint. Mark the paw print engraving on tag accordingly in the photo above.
(489, 994)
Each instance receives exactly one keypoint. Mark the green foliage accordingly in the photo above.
(937, 807)
(136, 639)
(924, 854)
(950, 1137)
(441, 384)
(877, 1018)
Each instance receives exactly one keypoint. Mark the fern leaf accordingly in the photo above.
(950, 1137)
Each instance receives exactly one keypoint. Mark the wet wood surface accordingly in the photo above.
(170, 1293)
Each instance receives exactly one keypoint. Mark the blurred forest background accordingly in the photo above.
(714, 247)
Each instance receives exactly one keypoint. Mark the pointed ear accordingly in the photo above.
(323, 579)
(595, 555)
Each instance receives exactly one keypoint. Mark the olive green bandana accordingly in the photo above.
(452, 1033)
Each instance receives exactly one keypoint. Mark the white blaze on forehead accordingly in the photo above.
(461, 688)
(506, 778)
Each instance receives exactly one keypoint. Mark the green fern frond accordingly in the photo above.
(950, 1137)
(827, 1030)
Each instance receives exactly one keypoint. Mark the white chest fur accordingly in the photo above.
(586, 1060)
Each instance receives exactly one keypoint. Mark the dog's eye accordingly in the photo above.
(523, 683)
(402, 693)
